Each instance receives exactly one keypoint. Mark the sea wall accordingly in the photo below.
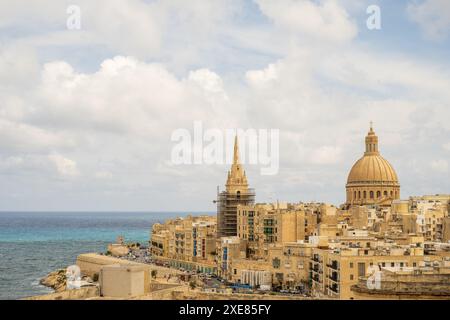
(91, 263)
(78, 294)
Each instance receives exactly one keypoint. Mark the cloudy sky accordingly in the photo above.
(86, 115)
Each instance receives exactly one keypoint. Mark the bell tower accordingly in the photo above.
(236, 193)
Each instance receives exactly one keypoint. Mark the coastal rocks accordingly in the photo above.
(55, 280)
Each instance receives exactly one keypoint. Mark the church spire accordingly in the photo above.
(371, 142)
(236, 151)
(237, 179)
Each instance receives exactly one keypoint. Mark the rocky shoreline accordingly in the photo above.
(55, 280)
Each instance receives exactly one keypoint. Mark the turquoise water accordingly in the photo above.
(32, 244)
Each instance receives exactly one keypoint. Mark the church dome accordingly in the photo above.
(372, 168)
(372, 179)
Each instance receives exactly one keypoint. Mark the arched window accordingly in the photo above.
(371, 194)
(378, 194)
(365, 194)
(385, 193)
(354, 195)
(359, 194)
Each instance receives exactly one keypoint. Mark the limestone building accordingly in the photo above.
(263, 224)
(334, 270)
(372, 179)
(185, 239)
(236, 193)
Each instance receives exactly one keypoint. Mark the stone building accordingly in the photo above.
(185, 239)
(264, 224)
(287, 265)
(334, 271)
(372, 179)
(426, 216)
(229, 249)
(423, 282)
(446, 230)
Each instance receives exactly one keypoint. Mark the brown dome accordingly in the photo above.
(372, 168)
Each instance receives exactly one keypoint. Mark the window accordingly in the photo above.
(378, 194)
(276, 263)
(351, 277)
(385, 193)
(359, 194)
(365, 194)
(383, 264)
(235, 271)
(361, 269)
(392, 264)
(371, 194)
(351, 264)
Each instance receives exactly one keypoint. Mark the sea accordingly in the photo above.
(32, 244)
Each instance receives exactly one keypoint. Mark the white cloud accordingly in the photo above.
(446, 146)
(64, 166)
(440, 165)
(103, 174)
(433, 17)
(326, 155)
(18, 136)
(325, 20)
(11, 162)
(263, 77)
(112, 112)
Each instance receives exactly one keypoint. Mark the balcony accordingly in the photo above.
(334, 265)
(334, 288)
(334, 277)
